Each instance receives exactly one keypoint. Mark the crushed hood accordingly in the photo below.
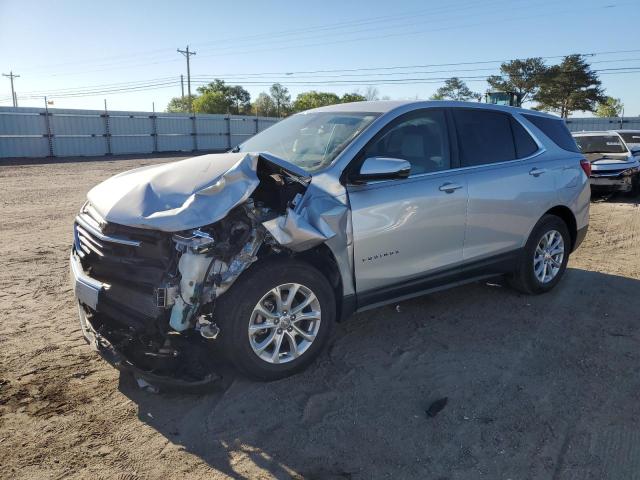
(185, 194)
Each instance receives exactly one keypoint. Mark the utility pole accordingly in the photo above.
(188, 54)
(13, 92)
(182, 85)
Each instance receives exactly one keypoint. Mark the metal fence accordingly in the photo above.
(41, 132)
(607, 123)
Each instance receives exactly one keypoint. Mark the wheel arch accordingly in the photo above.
(323, 260)
(567, 216)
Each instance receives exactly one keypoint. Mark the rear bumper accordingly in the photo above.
(614, 184)
(580, 234)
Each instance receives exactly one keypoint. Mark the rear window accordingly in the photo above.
(600, 144)
(556, 130)
(484, 137)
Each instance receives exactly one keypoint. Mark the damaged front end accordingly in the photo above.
(154, 248)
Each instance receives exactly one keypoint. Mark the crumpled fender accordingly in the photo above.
(316, 218)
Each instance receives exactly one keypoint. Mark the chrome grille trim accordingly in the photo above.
(82, 221)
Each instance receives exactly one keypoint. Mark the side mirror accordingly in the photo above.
(381, 168)
(635, 150)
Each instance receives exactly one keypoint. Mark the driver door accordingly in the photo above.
(409, 232)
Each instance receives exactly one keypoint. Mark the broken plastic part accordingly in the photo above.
(193, 268)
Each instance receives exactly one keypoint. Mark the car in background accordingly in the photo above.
(630, 137)
(615, 165)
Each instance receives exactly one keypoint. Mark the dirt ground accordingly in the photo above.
(544, 387)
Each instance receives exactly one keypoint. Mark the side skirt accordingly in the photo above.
(441, 280)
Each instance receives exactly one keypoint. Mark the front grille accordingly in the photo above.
(116, 253)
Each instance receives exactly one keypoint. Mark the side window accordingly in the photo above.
(420, 138)
(484, 137)
(525, 145)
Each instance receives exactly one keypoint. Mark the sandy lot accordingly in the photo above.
(543, 387)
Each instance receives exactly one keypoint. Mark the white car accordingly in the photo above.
(615, 165)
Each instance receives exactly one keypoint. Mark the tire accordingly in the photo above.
(235, 312)
(524, 278)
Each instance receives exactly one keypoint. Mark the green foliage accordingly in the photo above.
(178, 105)
(218, 97)
(455, 89)
(610, 107)
(265, 106)
(352, 97)
(211, 102)
(568, 87)
(281, 98)
(520, 76)
(314, 99)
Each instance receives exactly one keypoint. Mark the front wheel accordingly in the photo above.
(544, 258)
(276, 318)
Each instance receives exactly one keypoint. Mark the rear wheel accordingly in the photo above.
(276, 318)
(544, 258)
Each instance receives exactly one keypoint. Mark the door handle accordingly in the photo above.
(536, 172)
(449, 187)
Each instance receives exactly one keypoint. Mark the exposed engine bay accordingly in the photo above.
(155, 313)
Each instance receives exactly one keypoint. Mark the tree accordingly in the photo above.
(265, 105)
(371, 93)
(281, 97)
(222, 98)
(314, 99)
(211, 102)
(454, 89)
(178, 105)
(520, 76)
(610, 107)
(568, 87)
(352, 97)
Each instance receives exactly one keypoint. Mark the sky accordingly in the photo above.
(80, 53)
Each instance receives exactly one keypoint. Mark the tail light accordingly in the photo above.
(586, 166)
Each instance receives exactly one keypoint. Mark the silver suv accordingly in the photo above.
(253, 255)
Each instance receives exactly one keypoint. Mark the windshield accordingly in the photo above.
(631, 137)
(601, 144)
(309, 140)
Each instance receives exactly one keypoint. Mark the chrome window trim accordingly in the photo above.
(106, 238)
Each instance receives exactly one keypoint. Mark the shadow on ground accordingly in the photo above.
(537, 387)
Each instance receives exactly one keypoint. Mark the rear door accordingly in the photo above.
(405, 229)
(510, 183)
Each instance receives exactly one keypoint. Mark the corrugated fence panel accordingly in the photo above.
(77, 125)
(79, 146)
(24, 132)
(22, 124)
(172, 125)
(131, 144)
(175, 143)
(130, 125)
(608, 123)
(33, 147)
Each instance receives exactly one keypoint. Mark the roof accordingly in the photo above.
(384, 106)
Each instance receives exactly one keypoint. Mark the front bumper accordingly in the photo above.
(88, 292)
